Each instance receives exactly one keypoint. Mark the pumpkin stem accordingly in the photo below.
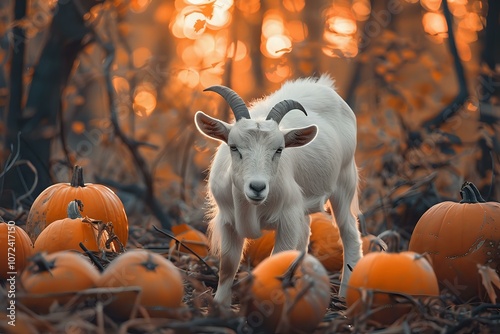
(149, 264)
(40, 264)
(470, 194)
(287, 277)
(77, 179)
(74, 209)
(392, 240)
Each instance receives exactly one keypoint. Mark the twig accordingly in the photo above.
(171, 236)
(463, 93)
(131, 145)
(92, 257)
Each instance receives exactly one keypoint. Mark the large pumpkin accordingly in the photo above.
(381, 273)
(101, 203)
(51, 275)
(15, 248)
(290, 293)
(458, 237)
(160, 281)
(68, 233)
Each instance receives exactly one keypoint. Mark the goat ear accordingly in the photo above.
(211, 127)
(300, 137)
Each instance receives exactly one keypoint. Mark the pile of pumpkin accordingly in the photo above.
(51, 268)
(451, 245)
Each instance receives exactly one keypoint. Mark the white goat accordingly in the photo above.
(271, 171)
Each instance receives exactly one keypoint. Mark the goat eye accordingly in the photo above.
(233, 148)
(279, 150)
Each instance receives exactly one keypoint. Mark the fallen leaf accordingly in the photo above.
(489, 278)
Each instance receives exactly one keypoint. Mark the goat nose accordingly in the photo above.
(257, 186)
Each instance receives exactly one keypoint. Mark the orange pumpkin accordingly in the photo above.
(160, 281)
(292, 280)
(458, 237)
(101, 203)
(383, 273)
(259, 249)
(192, 238)
(68, 233)
(370, 242)
(50, 276)
(15, 248)
(325, 243)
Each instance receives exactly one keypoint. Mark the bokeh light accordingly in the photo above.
(144, 102)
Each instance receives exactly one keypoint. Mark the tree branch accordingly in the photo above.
(37, 121)
(149, 198)
(463, 93)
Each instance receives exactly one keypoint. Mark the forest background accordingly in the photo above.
(113, 86)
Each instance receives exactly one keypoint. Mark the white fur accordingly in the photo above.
(298, 182)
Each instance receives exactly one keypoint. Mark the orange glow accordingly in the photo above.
(190, 57)
(140, 56)
(281, 73)
(277, 45)
(197, 2)
(208, 79)
(213, 61)
(139, 6)
(241, 51)
(431, 5)
(294, 6)
(177, 26)
(297, 29)
(435, 24)
(464, 51)
(189, 77)
(78, 127)
(249, 6)
(466, 35)
(337, 40)
(472, 21)
(194, 25)
(459, 10)
(361, 9)
(219, 19)
(120, 84)
(204, 43)
(144, 100)
(342, 25)
(163, 14)
(272, 27)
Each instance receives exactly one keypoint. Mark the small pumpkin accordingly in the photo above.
(370, 242)
(325, 243)
(259, 249)
(68, 233)
(160, 281)
(196, 240)
(290, 293)
(101, 203)
(52, 275)
(383, 274)
(458, 237)
(15, 249)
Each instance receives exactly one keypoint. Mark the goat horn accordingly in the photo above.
(280, 109)
(236, 103)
